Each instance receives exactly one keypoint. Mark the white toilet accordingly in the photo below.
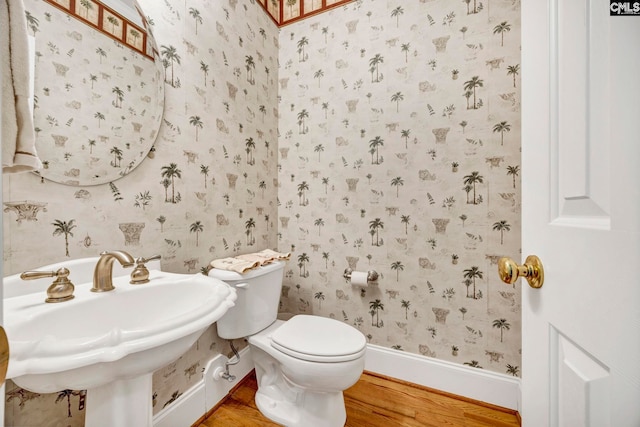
(302, 365)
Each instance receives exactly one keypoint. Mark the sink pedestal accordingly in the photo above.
(125, 402)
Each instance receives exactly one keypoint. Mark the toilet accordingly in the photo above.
(303, 364)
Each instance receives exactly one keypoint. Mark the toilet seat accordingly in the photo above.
(318, 339)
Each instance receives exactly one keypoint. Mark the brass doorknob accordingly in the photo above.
(532, 270)
(4, 355)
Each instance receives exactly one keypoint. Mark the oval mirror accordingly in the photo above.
(98, 88)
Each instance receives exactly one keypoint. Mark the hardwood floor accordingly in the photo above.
(374, 401)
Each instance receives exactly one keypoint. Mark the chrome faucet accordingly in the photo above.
(102, 275)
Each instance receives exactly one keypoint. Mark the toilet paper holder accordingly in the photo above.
(372, 275)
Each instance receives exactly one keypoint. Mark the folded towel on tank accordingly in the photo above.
(264, 257)
(273, 255)
(243, 263)
(234, 264)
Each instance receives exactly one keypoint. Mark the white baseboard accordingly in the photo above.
(478, 384)
(204, 395)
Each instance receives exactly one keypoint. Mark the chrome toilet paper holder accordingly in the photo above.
(372, 275)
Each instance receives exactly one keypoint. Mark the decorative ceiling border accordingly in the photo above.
(107, 21)
(284, 12)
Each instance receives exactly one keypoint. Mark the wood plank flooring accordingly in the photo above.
(374, 401)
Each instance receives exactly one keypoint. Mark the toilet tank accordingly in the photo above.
(258, 299)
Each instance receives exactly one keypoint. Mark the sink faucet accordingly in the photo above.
(102, 279)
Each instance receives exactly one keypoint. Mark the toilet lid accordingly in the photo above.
(316, 338)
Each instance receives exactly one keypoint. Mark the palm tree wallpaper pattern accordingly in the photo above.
(400, 152)
(194, 199)
(361, 137)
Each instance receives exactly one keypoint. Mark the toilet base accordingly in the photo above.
(315, 409)
(300, 393)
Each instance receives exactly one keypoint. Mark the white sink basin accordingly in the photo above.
(108, 343)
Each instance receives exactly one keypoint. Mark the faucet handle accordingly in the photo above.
(140, 273)
(60, 290)
(153, 258)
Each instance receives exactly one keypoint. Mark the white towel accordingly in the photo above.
(17, 132)
(265, 256)
(234, 264)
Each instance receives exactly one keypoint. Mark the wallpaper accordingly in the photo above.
(208, 180)
(400, 153)
(380, 135)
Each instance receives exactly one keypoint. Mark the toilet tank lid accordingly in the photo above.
(232, 276)
(319, 336)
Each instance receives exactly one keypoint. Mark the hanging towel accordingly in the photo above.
(234, 264)
(17, 131)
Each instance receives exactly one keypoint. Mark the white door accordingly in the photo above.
(2, 387)
(581, 214)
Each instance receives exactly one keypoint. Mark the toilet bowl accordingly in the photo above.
(296, 391)
(303, 364)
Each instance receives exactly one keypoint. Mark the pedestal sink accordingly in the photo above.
(109, 343)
